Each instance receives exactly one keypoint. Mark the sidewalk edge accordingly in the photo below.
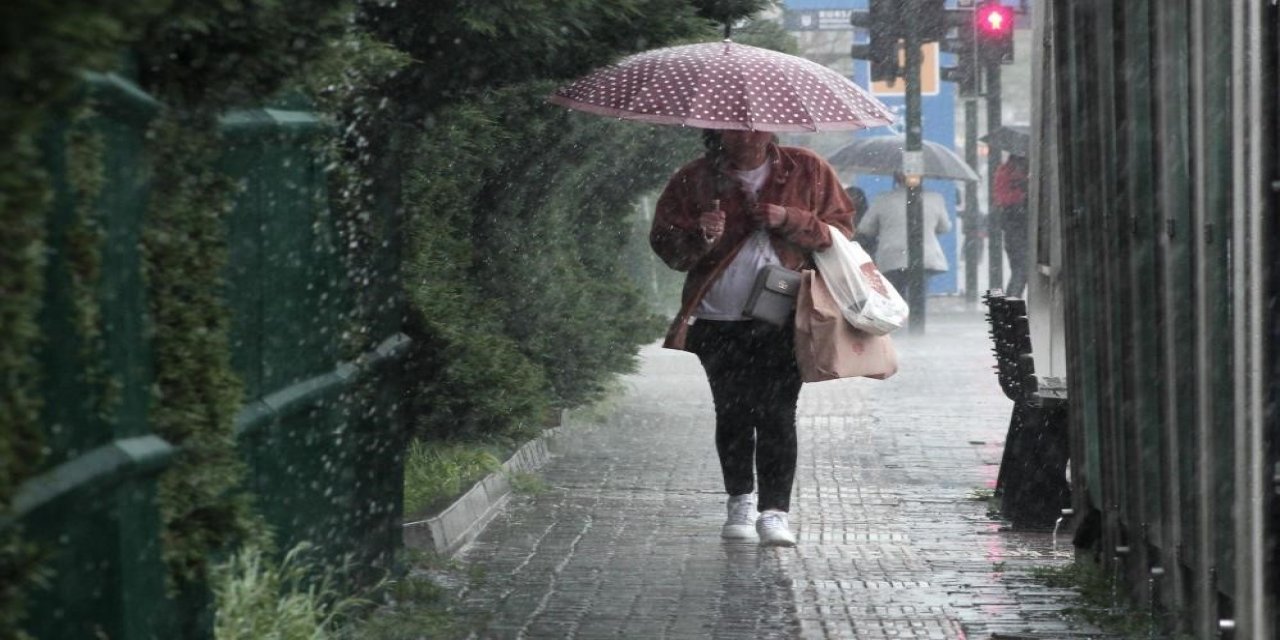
(458, 524)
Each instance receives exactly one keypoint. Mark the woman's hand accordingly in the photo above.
(712, 223)
(769, 216)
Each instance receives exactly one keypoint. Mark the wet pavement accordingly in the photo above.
(894, 536)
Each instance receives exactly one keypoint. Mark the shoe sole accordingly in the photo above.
(738, 532)
(777, 542)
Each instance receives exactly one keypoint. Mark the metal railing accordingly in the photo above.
(324, 466)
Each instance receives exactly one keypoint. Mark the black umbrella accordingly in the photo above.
(883, 155)
(1015, 139)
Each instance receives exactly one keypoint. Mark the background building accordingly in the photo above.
(824, 34)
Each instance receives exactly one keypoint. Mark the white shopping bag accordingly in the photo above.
(867, 300)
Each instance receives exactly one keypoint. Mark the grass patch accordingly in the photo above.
(1102, 602)
(292, 599)
(417, 605)
(437, 472)
(530, 484)
(982, 495)
(989, 496)
(413, 607)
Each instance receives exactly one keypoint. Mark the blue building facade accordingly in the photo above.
(938, 116)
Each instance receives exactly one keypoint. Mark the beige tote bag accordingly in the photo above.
(827, 346)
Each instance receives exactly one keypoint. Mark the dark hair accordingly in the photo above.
(714, 142)
(714, 145)
(711, 139)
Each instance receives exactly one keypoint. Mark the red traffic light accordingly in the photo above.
(994, 19)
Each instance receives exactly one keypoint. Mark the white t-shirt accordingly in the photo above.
(728, 294)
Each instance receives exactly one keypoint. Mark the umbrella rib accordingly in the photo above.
(800, 101)
(749, 102)
(695, 94)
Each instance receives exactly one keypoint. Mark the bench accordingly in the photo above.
(1032, 485)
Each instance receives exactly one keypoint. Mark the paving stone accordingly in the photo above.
(624, 542)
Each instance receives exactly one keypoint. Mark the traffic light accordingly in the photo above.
(993, 25)
(965, 70)
(883, 23)
(932, 18)
(960, 40)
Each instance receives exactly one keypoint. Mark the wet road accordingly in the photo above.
(894, 540)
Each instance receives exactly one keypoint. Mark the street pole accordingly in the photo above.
(995, 239)
(972, 212)
(912, 167)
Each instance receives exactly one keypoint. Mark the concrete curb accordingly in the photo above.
(450, 530)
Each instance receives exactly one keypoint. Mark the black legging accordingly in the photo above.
(751, 366)
(1014, 222)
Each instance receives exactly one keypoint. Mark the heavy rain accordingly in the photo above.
(544, 319)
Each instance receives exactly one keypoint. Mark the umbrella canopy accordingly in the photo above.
(1015, 139)
(883, 155)
(725, 85)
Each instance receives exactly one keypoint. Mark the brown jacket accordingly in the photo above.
(799, 180)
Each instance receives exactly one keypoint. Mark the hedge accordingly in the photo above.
(516, 213)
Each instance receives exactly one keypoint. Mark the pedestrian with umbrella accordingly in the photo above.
(746, 203)
(885, 225)
(1009, 191)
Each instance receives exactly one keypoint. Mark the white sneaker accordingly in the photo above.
(742, 512)
(773, 530)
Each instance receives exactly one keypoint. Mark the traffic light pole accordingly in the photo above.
(972, 212)
(995, 222)
(915, 203)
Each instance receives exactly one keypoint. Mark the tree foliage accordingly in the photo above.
(519, 213)
(201, 58)
(459, 48)
(731, 11)
(515, 209)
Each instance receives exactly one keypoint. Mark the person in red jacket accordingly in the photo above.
(1011, 197)
(746, 203)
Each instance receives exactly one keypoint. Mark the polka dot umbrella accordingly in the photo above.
(725, 85)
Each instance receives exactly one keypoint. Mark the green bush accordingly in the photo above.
(44, 47)
(201, 58)
(519, 214)
(516, 213)
(470, 378)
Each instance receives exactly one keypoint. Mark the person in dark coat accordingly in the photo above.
(1011, 196)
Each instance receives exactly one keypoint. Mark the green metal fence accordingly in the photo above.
(321, 436)
(1157, 126)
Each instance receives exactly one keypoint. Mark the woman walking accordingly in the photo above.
(746, 203)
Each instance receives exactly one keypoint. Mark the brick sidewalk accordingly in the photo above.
(892, 544)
